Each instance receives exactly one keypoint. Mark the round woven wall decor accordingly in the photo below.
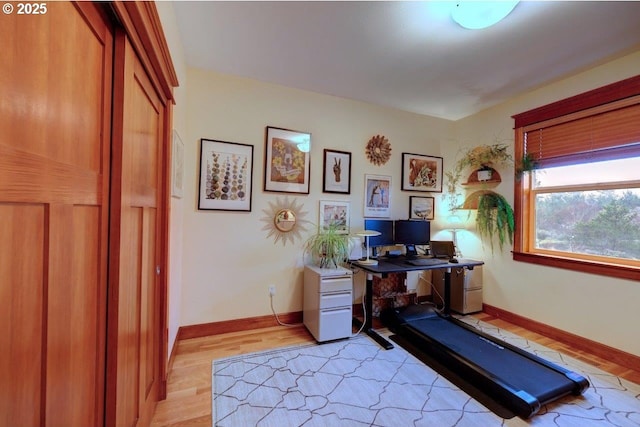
(378, 150)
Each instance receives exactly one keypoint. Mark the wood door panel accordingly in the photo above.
(128, 316)
(149, 357)
(137, 158)
(27, 177)
(57, 184)
(55, 134)
(52, 80)
(22, 294)
(138, 352)
(74, 343)
(143, 131)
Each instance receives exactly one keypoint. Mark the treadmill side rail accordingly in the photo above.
(580, 382)
(533, 403)
(522, 381)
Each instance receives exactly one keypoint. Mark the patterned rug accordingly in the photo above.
(355, 382)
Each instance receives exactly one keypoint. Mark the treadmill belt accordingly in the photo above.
(506, 379)
(499, 408)
(519, 372)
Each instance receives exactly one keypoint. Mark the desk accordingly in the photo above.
(399, 265)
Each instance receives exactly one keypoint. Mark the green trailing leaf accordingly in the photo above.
(526, 164)
(495, 219)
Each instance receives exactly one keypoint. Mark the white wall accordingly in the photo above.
(599, 308)
(222, 263)
(228, 261)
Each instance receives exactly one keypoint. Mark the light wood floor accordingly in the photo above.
(188, 400)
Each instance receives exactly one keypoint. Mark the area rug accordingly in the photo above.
(355, 382)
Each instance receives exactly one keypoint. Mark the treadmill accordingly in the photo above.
(495, 372)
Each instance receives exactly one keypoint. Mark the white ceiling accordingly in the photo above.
(406, 55)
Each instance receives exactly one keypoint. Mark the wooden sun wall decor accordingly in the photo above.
(299, 224)
(378, 150)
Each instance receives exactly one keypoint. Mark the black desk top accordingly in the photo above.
(400, 264)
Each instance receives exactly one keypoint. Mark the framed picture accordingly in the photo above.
(421, 173)
(177, 166)
(226, 173)
(286, 161)
(336, 172)
(377, 196)
(421, 207)
(335, 212)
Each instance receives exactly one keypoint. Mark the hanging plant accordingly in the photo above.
(495, 219)
(482, 157)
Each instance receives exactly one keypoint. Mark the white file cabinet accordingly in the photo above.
(328, 299)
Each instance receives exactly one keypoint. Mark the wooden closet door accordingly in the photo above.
(54, 187)
(135, 321)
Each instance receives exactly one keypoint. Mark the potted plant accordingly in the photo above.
(495, 219)
(483, 159)
(328, 247)
(526, 164)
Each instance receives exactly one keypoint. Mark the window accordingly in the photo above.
(580, 208)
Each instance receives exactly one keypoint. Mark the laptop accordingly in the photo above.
(442, 249)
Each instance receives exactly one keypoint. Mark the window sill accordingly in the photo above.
(609, 270)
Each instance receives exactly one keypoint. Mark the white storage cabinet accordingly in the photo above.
(328, 298)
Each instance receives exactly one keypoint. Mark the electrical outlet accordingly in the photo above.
(272, 290)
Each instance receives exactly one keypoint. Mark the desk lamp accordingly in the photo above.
(366, 234)
(455, 224)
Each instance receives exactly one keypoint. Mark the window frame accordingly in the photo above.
(524, 194)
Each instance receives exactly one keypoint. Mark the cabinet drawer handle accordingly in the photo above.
(335, 294)
(335, 279)
(335, 310)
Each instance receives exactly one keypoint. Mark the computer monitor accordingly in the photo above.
(385, 227)
(411, 234)
(408, 232)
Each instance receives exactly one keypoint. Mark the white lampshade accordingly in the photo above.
(366, 234)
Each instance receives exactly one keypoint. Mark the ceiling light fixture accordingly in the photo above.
(476, 15)
(303, 142)
(305, 147)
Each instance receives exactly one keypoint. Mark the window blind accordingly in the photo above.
(602, 124)
(604, 133)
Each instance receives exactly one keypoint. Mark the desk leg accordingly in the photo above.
(446, 311)
(368, 321)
